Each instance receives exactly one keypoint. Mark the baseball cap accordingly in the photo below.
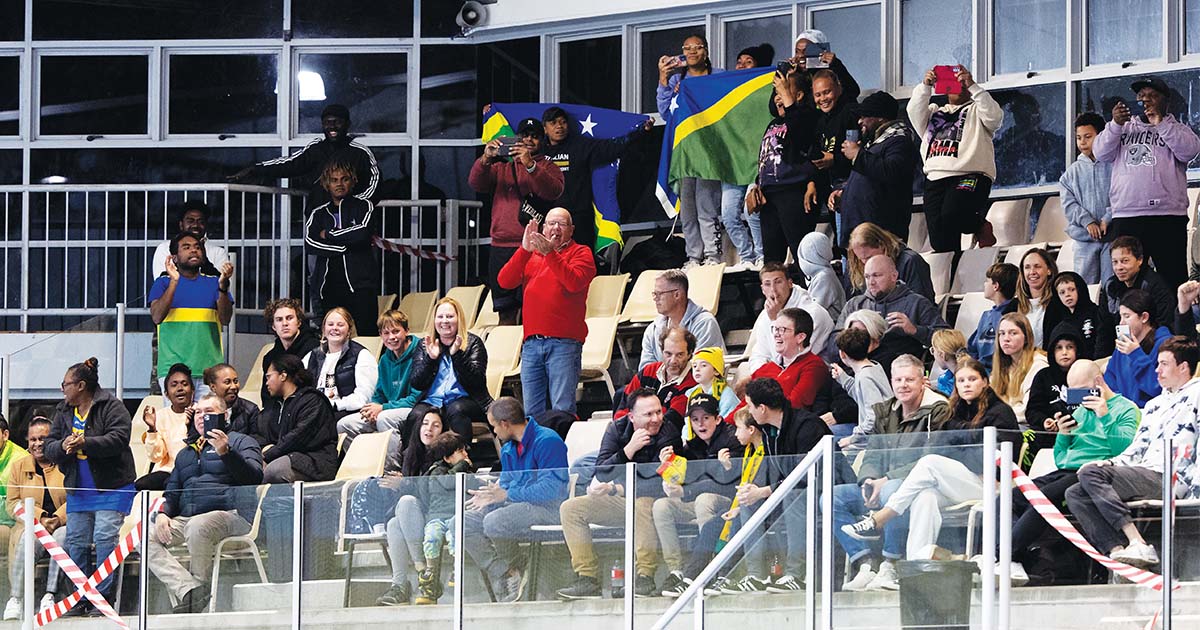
(705, 403)
(1154, 83)
(530, 127)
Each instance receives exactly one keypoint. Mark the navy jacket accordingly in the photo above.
(203, 481)
(610, 463)
(879, 187)
(345, 255)
(106, 442)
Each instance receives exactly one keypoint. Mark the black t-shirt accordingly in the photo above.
(48, 507)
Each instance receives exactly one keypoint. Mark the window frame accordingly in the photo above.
(169, 53)
(153, 59)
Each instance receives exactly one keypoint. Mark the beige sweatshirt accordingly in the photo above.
(956, 139)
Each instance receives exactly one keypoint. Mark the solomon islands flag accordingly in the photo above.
(714, 131)
(596, 122)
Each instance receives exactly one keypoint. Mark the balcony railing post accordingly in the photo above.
(1168, 530)
(988, 578)
(119, 385)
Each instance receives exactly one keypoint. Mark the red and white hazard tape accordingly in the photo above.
(86, 586)
(397, 248)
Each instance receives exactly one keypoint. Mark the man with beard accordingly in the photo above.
(189, 309)
(194, 220)
(307, 164)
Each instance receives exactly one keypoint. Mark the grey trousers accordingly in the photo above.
(353, 424)
(200, 533)
(492, 537)
(700, 215)
(1098, 500)
(405, 532)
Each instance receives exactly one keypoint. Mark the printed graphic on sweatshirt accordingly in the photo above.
(562, 159)
(946, 132)
(1139, 145)
(770, 156)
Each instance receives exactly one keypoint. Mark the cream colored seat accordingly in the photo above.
(973, 306)
(639, 308)
(606, 295)
(419, 309)
(469, 297)
(597, 351)
(704, 285)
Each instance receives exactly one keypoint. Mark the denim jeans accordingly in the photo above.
(87, 528)
(549, 373)
(747, 242)
(849, 507)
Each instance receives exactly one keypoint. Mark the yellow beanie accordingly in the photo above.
(714, 356)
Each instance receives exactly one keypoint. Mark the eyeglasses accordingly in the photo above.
(658, 294)
(65, 383)
(557, 224)
(693, 48)
(781, 329)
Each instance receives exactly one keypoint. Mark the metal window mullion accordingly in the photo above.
(156, 104)
(412, 124)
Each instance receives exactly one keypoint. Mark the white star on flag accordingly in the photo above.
(674, 104)
(588, 125)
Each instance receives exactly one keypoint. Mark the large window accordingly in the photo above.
(445, 171)
(1030, 144)
(174, 19)
(775, 30)
(653, 45)
(12, 27)
(373, 85)
(935, 32)
(10, 84)
(1100, 95)
(10, 170)
(589, 72)
(223, 94)
(509, 72)
(1029, 35)
(448, 92)
(1191, 24)
(1123, 30)
(854, 36)
(105, 166)
(93, 95)
(353, 18)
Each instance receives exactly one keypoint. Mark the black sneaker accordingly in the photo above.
(196, 600)
(678, 589)
(396, 596)
(644, 587)
(862, 530)
(670, 584)
(584, 588)
(785, 584)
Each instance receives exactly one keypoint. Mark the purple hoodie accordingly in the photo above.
(1149, 174)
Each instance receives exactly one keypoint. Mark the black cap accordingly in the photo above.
(706, 403)
(879, 105)
(336, 109)
(531, 127)
(1154, 83)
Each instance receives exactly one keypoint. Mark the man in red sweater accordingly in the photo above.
(799, 371)
(670, 378)
(556, 272)
(529, 178)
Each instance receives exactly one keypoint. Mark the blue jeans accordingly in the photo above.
(87, 528)
(849, 507)
(748, 243)
(550, 373)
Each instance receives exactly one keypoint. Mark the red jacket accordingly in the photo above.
(497, 179)
(556, 288)
(673, 396)
(801, 380)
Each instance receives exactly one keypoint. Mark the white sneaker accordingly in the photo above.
(864, 577)
(1017, 574)
(12, 610)
(738, 267)
(1140, 555)
(691, 264)
(47, 601)
(757, 265)
(885, 579)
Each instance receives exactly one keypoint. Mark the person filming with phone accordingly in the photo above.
(202, 503)
(1130, 371)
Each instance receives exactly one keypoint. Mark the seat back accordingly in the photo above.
(1043, 463)
(386, 302)
(1010, 221)
(1052, 223)
(503, 346)
(972, 269)
(584, 437)
(419, 309)
(940, 267)
(598, 348)
(704, 285)
(640, 305)
(373, 344)
(605, 295)
(918, 233)
(1094, 292)
(487, 318)
(974, 305)
(1066, 256)
(366, 456)
(1016, 252)
(252, 378)
(469, 297)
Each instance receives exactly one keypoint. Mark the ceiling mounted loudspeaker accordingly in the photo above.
(473, 14)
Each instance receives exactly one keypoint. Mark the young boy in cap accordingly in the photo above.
(708, 368)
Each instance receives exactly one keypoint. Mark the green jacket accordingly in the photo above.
(896, 444)
(393, 390)
(9, 454)
(1097, 438)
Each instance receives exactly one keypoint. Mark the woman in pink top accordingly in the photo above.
(167, 428)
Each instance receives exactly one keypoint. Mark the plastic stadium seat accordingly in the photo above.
(973, 306)
(503, 346)
(940, 267)
(373, 344)
(419, 308)
(252, 378)
(972, 269)
(386, 302)
(1014, 254)
(1066, 256)
(1010, 220)
(1052, 223)
(640, 305)
(598, 350)
(469, 297)
(487, 319)
(1094, 291)
(918, 233)
(605, 295)
(704, 285)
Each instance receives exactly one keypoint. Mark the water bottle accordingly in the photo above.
(617, 579)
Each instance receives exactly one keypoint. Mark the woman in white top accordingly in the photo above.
(342, 368)
(167, 428)
(1035, 290)
(1017, 361)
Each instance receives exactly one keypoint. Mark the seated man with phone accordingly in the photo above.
(202, 503)
(1100, 427)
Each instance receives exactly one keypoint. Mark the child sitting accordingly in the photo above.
(1077, 309)
(868, 386)
(946, 344)
(708, 368)
(449, 452)
(1086, 204)
(999, 286)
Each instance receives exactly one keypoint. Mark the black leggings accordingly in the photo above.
(954, 206)
(156, 480)
(457, 415)
(784, 222)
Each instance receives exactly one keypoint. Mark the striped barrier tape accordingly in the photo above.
(86, 586)
(397, 248)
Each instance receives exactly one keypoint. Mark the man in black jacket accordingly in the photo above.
(577, 156)
(879, 187)
(1130, 271)
(203, 503)
(307, 164)
(298, 425)
(293, 335)
(639, 438)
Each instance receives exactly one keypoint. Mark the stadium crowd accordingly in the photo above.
(849, 342)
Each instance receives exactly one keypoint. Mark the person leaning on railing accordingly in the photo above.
(35, 477)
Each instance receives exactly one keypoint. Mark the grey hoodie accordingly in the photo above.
(696, 320)
(923, 313)
(816, 252)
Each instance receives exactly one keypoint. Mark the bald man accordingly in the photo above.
(556, 272)
(1098, 429)
(908, 314)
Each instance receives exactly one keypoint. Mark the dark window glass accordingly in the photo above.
(353, 18)
(176, 19)
(394, 171)
(1030, 144)
(373, 85)
(509, 71)
(116, 166)
(655, 44)
(438, 18)
(1191, 22)
(10, 83)
(449, 92)
(223, 94)
(775, 30)
(12, 27)
(93, 95)
(590, 72)
(1100, 95)
(10, 167)
(446, 169)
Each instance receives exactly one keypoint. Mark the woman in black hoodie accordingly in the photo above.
(1072, 303)
(299, 427)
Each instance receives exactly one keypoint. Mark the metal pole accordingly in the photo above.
(826, 534)
(460, 502)
(988, 579)
(6, 384)
(1168, 530)
(630, 570)
(30, 566)
(231, 329)
(698, 611)
(810, 552)
(144, 570)
(1006, 522)
(297, 551)
(119, 386)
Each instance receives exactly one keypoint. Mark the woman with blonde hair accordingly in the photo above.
(869, 239)
(946, 345)
(342, 369)
(450, 370)
(1017, 361)
(1035, 293)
